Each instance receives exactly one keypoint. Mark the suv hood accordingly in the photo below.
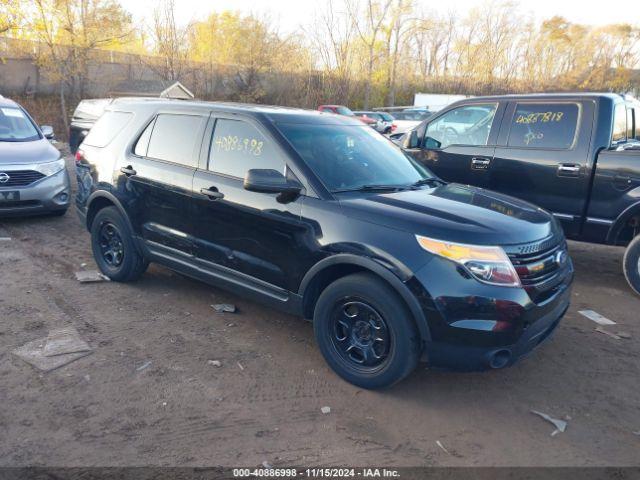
(21, 153)
(456, 213)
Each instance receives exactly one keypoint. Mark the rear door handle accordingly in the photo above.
(480, 163)
(212, 193)
(568, 170)
(128, 170)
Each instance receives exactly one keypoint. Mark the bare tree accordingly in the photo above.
(332, 35)
(368, 22)
(170, 42)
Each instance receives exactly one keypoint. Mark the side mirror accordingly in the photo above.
(47, 131)
(413, 140)
(266, 180)
(432, 143)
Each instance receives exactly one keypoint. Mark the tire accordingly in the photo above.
(631, 264)
(338, 324)
(113, 247)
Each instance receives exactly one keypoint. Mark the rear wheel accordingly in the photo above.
(631, 264)
(113, 247)
(365, 332)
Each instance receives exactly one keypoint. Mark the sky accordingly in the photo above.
(289, 14)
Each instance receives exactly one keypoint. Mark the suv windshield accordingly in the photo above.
(15, 126)
(353, 157)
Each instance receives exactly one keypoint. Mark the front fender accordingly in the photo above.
(384, 272)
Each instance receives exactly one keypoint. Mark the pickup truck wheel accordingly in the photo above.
(631, 264)
(113, 247)
(365, 332)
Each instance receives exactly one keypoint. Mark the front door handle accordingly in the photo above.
(568, 170)
(128, 170)
(212, 193)
(480, 163)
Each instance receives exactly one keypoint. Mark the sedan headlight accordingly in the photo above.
(486, 264)
(50, 168)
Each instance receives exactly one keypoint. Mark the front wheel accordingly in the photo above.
(631, 264)
(365, 332)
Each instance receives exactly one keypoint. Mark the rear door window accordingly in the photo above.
(631, 126)
(548, 125)
(107, 128)
(619, 124)
(175, 137)
(238, 146)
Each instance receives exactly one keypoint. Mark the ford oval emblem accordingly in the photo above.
(4, 178)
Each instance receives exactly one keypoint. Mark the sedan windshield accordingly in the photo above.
(350, 158)
(15, 126)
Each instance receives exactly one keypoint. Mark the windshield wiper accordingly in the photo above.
(373, 188)
(428, 181)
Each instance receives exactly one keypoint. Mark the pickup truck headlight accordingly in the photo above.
(50, 168)
(487, 264)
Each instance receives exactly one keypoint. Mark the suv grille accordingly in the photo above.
(541, 272)
(20, 178)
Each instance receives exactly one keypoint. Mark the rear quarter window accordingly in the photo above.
(546, 126)
(107, 128)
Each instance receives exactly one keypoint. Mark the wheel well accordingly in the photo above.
(322, 280)
(95, 206)
(629, 230)
(327, 276)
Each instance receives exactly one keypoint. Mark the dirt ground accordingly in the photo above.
(263, 403)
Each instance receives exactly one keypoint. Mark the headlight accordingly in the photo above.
(486, 264)
(50, 168)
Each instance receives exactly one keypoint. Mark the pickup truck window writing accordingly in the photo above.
(467, 125)
(545, 125)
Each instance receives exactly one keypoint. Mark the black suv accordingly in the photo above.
(319, 215)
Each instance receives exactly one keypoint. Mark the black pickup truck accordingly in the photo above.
(575, 155)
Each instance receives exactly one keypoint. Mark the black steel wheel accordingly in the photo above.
(365, 331)
(113, 246)
(360, 334)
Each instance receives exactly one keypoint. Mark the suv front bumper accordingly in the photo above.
(483, 326)
(48, 195)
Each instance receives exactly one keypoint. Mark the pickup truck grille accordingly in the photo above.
(542, 272)
(20, 178)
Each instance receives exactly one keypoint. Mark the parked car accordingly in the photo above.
(342, 110)
(408, 119)
(576, 155)
(85, 115)
(320, 216)
(33, 177)
(384, 122)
